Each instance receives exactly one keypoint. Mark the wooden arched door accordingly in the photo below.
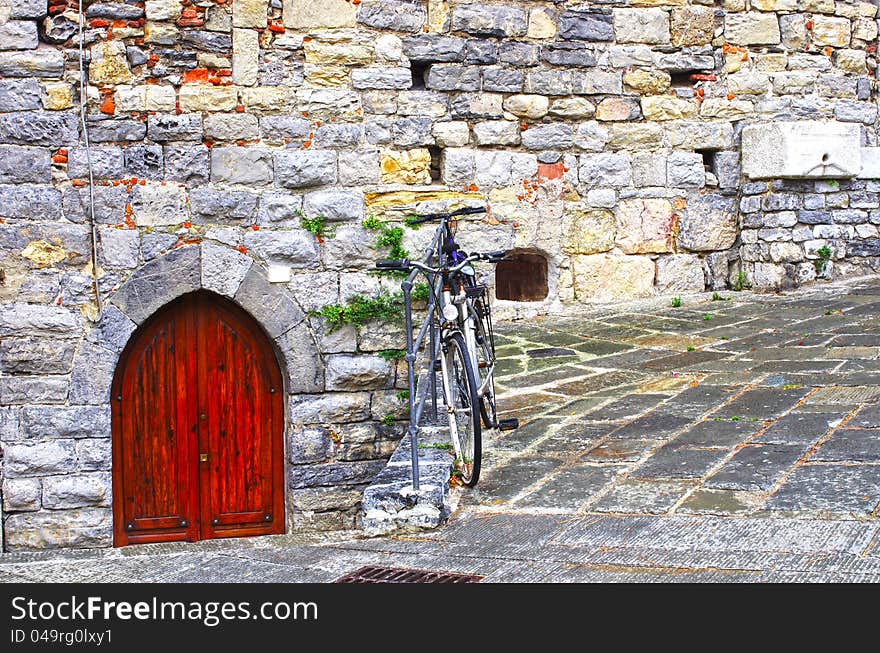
(198, 427)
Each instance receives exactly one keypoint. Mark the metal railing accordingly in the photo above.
(413, 346)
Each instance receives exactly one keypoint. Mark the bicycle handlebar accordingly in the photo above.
(404, 265)
(468, 210)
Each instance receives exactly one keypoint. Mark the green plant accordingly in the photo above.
(676, 302)
(410, 221)
(707, 316)
(833, 183)
(741, 283)
(420, 292)
(372, 223)
(402, 396)
(824, 253)
(388, 420)
(391, 355)
(692, 348)
(735, 418)
(716, 297)
(360, 309)
(317, 226)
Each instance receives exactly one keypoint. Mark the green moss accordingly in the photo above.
(392, 354)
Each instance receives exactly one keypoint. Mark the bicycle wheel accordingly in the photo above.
(485, 341)
(464, 420)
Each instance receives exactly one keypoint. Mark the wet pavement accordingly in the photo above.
(734, 438)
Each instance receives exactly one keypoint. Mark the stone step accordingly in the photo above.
(391, 504)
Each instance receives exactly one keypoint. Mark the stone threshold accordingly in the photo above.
(390, 505)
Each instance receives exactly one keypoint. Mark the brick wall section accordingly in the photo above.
(604, 136)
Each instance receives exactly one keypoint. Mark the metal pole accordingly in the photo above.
(410, 368)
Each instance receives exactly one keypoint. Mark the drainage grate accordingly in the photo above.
(550, 352)
(376, 574)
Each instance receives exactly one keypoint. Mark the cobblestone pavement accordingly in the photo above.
(729, 439)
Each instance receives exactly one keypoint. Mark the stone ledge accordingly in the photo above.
(390, 504)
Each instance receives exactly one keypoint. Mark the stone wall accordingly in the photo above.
(602, 135)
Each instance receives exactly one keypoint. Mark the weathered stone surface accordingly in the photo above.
(694, 25)
(356, 372)
(107, 163)
(77, 490)
(667, 107)
(586, 26)
(39, 128)
(645, 226)
(396, 16)
(589, 231)
(53, 529)
(752, 28)
(597, 170)
(647, 81)
(32, 63)
(24, 165)
(274, 308)
(641, 26)
(158, 282)
(680, 273)
(18, 35)
(548, 137)
(144, 162)
(169, 127)
(22, 494)
(305, 169)
(606, 277)
(109, 64)
(329, 408)
(34, 320)
(19, 95)
(489, 20)
(406, 166)
(187, 165)
(828, 30)
(38, 459)
(304, 14)
(685, 170)
(94, 455)
(497, 132)
(36, 356)
(707, 223)
(796, 149)
(241, 165)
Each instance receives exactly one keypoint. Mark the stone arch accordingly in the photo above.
(209, 266)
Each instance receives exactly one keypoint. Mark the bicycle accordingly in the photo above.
(460, 322)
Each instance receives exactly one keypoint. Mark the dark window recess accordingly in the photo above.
(377, 574)
(522, 277)
(681, 80)
(709, 159)
(419, 73)
(436, 162)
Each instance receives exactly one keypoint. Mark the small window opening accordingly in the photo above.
(436, 162)
(708, 160)
(522, 277)
(682, 79)
(419, 72)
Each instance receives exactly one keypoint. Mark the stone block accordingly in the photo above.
(19, 95)
(77, 490)
(586, 26)
(680, 273)
(645, 226)
(336, 407)
(694, 25)
(18, 35)
(242, 165)
(356, 372)
(44, 63)
(608, 278)
(830, 30)
(304, 169)
(273, 307)
(109, 64)
(641, 26)
(685, 170)
(38, 458)
(708, 222)
(608, 170)
(589, 231)
(223, 268)
(752, 28)
(158, 282)
(807, 149)
(297, 249)
(22, 494)
(306, 14)
(55, 529)
(187, 165)
(39, 128)
(36, 355)
(22, 164)
(489, 20)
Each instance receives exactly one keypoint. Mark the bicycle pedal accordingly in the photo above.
(508, 424)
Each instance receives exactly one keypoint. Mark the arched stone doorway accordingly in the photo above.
(198, 426)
